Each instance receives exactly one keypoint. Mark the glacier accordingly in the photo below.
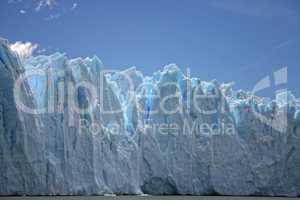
(127, 143)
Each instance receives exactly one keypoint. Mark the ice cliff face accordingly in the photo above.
(157, 142)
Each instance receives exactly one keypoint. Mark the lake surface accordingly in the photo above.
(143, 197)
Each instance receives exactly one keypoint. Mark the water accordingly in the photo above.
(143, 198)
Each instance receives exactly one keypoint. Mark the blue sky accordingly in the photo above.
(230, 40)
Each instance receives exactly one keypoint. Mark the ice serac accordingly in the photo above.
(64, 152)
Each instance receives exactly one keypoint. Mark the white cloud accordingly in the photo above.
(45, 4)
(22, 12)
(24, 50)
(74, 6)
(47, 9)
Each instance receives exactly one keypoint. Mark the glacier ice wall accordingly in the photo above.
(51, 154)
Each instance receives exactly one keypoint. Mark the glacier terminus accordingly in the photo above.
(73, 127)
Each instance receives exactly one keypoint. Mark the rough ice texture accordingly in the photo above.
(45, 155)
